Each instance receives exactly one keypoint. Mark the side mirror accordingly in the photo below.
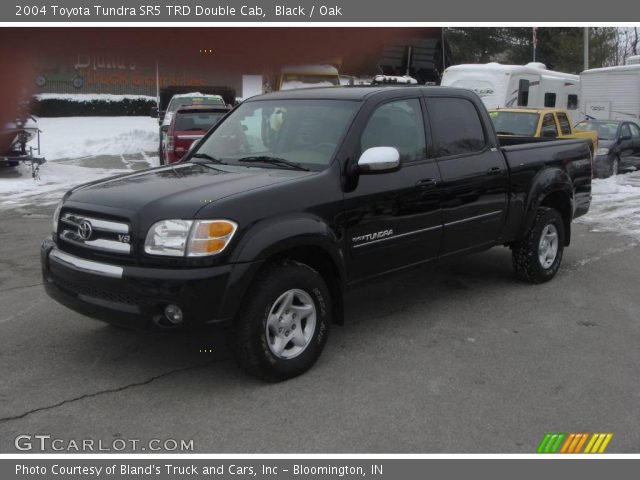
(549, 134)
(379, 160)
(154, 112)
(624, 138)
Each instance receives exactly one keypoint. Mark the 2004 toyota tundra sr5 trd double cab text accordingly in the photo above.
(297, 195)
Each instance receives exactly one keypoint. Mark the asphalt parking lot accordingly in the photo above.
(453, 357)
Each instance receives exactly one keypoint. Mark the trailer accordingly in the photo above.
(612, 93)
(14, 149)
(530, 85)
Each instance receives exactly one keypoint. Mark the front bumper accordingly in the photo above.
(136, 297)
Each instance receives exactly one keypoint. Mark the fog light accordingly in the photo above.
(173, 314)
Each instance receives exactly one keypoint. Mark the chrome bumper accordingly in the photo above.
(87, 266)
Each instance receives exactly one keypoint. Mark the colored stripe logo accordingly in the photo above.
(574, 442)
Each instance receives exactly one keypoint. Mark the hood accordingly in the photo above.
(176, 191)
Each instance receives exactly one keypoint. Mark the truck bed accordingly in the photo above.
(560, 158)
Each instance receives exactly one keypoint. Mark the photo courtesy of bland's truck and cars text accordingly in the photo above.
(319, 239)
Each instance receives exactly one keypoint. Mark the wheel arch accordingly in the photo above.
(552, 188)
(302, 239)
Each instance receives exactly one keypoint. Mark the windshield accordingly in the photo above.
(177, 102)
(197, 120)
(303, 132)
(606, 131)
(515, 123)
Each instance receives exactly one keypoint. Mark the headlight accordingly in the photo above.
(190, 238)
(602, 151)
(56, 217)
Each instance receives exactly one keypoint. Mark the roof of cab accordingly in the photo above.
(358, 93)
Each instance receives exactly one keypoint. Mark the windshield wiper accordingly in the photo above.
(273, 161)
(505, 133)
(205, 156)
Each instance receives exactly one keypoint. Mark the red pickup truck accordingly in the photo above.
(187, 126)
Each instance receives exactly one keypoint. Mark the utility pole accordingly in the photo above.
(586, 48)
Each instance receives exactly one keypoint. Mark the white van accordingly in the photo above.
(531, 85)
(612, 93)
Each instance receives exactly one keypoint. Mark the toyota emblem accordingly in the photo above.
(84, 230)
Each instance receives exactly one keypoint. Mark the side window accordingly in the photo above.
(549, 99)
(565, 125)
(549, 128)
(625, 131)
(572, 102)
(397, 124)
(635, 130)
(457, 128)
(523, 92)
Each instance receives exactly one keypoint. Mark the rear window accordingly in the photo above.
(178, 102)
(197, 120)
(457, 128)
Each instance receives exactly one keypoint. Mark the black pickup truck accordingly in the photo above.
(298, 195)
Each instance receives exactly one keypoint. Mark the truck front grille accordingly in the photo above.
(95, 235)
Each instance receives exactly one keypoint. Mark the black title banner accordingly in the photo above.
(260, 11)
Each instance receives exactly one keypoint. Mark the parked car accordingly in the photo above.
(539, 123)
(183, 100)
(270, 219)
(187, 126)
(619, 146)
(214, 95)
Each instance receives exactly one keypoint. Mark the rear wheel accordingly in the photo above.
(282, 329)
(537, 257)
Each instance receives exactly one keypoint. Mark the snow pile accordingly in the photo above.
(615, 206)
(91, 97)
(80, 150)
(76, 137)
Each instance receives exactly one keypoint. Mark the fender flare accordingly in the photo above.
(273, 236)
(548, 181)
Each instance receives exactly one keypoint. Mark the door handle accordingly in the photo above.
(427, 183)
(494, 171)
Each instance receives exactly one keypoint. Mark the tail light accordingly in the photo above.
(170, 143)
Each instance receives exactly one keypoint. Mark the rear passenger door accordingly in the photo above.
(473, 195)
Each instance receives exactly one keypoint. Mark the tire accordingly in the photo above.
(261, 331)
(527, 252)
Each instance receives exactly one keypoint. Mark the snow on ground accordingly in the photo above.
(79, 150)
(75, 137)
(615, 206)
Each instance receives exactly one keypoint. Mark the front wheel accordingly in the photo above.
(282, 329)
(537, 257)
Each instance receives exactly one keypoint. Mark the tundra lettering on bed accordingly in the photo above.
(296, 196)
